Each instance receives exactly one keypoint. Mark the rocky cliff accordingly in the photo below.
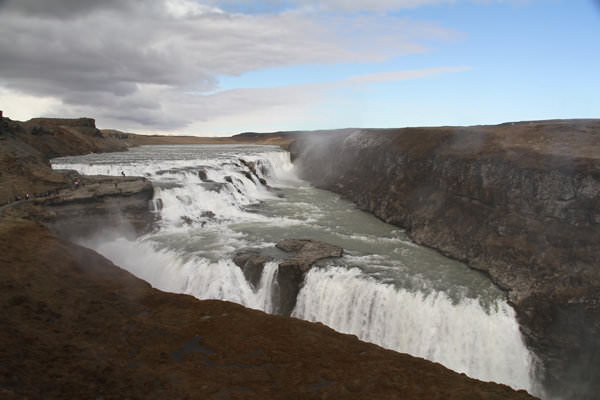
(26, 148)
(520, 202)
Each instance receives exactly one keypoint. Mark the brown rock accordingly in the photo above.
(252, 263)
(100, 202)
(290, 275)
(307, 252)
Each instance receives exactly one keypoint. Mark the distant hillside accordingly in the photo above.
(26, 147)
(131, 139)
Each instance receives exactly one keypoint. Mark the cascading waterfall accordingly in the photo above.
(216, 200)
(432, 326)
(198, 277)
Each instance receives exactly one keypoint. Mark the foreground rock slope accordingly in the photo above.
(520, 202)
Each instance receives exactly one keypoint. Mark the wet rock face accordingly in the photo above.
(252, 263)
(307, 253)
(252, 172)
(290, 275)
(291, 270)
(519, 202)
(100, 202)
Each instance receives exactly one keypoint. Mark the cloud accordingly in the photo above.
(285, 107)
(264, 6)
(395, 76)
(21, 106)
(60, 8)
(136, 61)
(353, 5)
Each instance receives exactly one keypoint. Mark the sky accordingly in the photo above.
(221, 67)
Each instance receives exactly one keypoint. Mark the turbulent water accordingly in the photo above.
(214, 200)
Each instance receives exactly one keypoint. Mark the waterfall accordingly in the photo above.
(199, 277)
(215, 200)
(484, 344)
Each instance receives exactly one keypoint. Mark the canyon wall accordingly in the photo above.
(520, 202)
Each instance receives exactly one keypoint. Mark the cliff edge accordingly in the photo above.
(518, 201)
(26, 148)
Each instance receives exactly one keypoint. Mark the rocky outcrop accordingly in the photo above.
(55, 137)
(98, 203)
(251, 166)
(68, 209)
(290, 275)
(291, 270)
(26, 147)
(517, 201)
(73, 325)
(252, 262)
(307, 252)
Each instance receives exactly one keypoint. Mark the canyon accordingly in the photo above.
(518, 202)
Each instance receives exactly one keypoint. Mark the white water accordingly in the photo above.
(463, 336)
(386, 289)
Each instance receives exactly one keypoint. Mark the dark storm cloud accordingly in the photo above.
(140, 60)
(61, 8)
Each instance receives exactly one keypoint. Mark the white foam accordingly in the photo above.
(196, 276)
(463, 336)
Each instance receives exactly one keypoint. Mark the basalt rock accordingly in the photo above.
(251, 165)
(213, 186)
(517, 201)
(26, 147)
(99, 202)
(252, 263)
(202, 175)
(307, 252)
(291, 272)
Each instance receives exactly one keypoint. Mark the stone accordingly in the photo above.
(100, 202)
(202, 175)
(307, 252)
(252, 263)
(291, 272)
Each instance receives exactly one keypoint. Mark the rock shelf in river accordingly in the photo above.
(291, 270)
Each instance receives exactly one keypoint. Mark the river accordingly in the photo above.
(385, 289)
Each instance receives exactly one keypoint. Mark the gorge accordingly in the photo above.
(429, 182)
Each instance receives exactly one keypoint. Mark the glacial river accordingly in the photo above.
(385, 289)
